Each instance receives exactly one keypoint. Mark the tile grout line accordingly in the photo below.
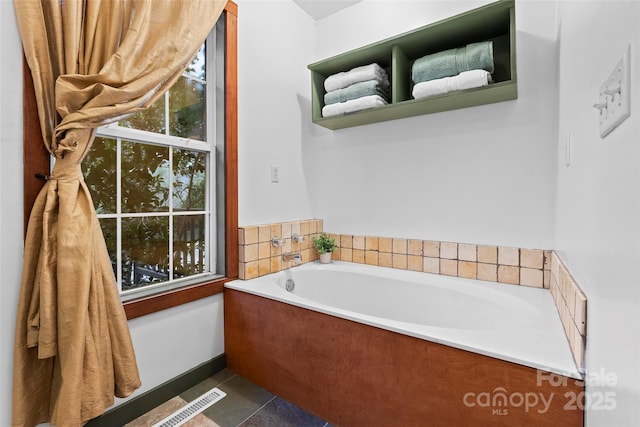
(227, 380)
(257, 410)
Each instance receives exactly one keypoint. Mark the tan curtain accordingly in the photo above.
(92, 62)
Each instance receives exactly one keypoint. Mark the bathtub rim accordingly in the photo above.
(545, 349)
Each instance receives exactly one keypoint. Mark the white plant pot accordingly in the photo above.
(325, 258)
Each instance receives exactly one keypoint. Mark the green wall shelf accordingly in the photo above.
(495, 21)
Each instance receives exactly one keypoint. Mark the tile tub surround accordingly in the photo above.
(572, 307)
(538, 268)
(502, 264)
(509, 265)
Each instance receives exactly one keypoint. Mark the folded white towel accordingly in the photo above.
(465, 80)
(355, 75)
(353, 105)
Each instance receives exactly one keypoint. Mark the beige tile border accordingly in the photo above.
(572, 307)
(509, 265)
(258, 256)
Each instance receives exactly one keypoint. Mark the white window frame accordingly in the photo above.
(215, 64)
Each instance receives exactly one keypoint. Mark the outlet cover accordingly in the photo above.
(614, 96)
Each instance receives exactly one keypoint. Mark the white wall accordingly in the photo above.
(167, 343)
(479, 175)
(598, 214)
(10, 197)
(170, 342)
(275, 44)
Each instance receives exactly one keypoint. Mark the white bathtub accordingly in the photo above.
(513, 323)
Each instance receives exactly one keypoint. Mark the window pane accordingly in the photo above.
(145, 251)
(188, 245)
(109, 230)
(100, 174)
(188, 108)
(152, 119)
(197, 68)
(145, 180)
(189, 180)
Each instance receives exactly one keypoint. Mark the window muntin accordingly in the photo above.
(153, 180)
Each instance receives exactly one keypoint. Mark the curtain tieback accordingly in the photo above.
(43, 176)
(64, 170)
(72, 149)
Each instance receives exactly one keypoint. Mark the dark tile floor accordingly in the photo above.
(245, 405)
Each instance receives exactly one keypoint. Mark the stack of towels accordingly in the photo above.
(358, 89)
(454, 69)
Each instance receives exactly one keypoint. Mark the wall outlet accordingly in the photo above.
(614, 103)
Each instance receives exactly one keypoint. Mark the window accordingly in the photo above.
(164, 182)
(153, 178)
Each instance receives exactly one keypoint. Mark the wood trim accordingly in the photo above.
(161, 301)
(36, 160)
(35, 156)
(231, 143)
(231, 8)
(353, 374)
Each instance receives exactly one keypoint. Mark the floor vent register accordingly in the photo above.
(184, 414)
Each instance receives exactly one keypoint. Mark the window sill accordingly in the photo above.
(157, 302)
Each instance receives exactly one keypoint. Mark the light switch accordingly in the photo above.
(567, 151)
(275, 173)
(613, 104)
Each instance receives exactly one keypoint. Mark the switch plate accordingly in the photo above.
(614, 96)
(275, 173)
(567, 151)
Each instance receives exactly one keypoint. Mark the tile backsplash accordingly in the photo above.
(503, 264)
(258, 255)
(510, 265)
(572, 306)
(516, 266)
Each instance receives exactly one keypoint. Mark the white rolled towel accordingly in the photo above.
(465, 80)
(353, 105)
(355, 75)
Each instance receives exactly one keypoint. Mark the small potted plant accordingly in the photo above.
(325, 246)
